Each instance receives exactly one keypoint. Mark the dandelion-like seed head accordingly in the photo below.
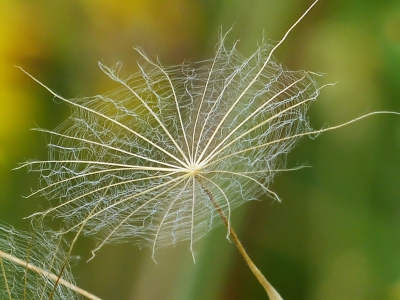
(166, 156)
(160, 159)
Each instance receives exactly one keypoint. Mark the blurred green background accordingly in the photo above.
(336, 235)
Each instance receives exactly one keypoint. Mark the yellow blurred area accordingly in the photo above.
(165, 28)
(164, 16)
(17, 45)
(394, 291)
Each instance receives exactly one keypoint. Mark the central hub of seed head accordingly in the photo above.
(193, 170)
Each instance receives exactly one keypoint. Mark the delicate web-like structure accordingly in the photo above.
(155, 159)
(30, 264)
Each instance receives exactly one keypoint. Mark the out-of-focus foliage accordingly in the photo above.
(336, 235)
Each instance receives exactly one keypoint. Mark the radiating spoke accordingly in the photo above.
(205, 90)
(108, 119)
(218, 127)
(3, 271)
(165, 215)
(111, 74)
(259, 171)
(101, 189)
(128, 199)
(194, 144)
(102, 145)
(101, 163)
(136, 211)
(77, 177)
(188, 158)
(298, 135)
(242, 174)
(267, 60)
(250, 116)
(213, 155)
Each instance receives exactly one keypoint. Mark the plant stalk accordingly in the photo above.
(271, 292)
(49, 275)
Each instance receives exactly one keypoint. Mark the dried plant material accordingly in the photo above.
(229, 121)
(173, 150)
(30, 265)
